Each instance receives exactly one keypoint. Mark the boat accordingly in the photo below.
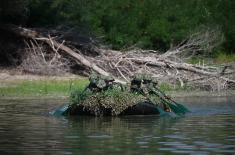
(104, 97)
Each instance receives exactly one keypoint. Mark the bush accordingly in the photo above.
(152, 24)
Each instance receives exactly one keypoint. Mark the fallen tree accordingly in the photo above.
(171, 66)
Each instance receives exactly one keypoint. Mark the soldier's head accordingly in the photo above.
(108, 79)
(147, 79)
(154, 81)
(138, 77)
(93, 77)
(100, 83)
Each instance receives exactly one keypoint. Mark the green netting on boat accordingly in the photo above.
(112, 99)
(103, 94)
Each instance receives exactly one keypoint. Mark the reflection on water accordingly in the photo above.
(27, 128)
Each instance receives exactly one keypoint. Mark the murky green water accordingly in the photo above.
(26, 127)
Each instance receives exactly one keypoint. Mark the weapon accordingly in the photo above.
(173, 105)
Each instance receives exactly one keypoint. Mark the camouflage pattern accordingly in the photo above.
(147, 86)
(143, 89)
(147, 78)
(99, 83)
(136, 84)
(143, 84)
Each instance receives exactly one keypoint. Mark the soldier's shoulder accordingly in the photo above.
(107, 78)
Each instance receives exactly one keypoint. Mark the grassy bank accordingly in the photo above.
(37, 88)
(61, 88)
(224, 58)
(53, 87)
(217, 59)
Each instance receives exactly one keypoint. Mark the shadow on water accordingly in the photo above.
(26, 126)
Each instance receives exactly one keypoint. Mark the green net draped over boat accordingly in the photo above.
(112, 100)
(103, 94)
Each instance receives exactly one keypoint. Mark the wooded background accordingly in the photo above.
(122, 38)
(149, 24)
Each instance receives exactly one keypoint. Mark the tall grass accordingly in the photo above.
(218, 57)
(224, 58)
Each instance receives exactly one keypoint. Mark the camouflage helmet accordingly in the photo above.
(154, 81)
(93, 77)
(138, 77)
(100, 83)
(107, 78)
(147, 77)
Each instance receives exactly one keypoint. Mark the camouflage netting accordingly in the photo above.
(105, 97)
(113, 100)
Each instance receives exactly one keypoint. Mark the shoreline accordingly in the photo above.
(16, 85)
(180, 94)
(173, 94)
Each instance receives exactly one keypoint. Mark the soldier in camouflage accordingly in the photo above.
(99, 83)
(136, 84)
(143, 84)
(147, 86)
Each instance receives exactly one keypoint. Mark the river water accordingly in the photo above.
(26, 127)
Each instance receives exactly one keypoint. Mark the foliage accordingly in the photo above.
(222, 57)
(155, 24)
(218, 57)
(148, 23)
(113, 99)
(79, 95)
(13, 11)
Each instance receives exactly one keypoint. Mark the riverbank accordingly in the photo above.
(198, 93)
(18, 85)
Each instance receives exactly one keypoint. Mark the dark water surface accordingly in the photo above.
(26, 127)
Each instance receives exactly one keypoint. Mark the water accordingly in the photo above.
(26, 127)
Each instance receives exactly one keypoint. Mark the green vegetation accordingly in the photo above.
(154, 24)
(217, 58)
(113, 99)
(24, 88)
(176, 87)
(222, 57)
(33, 88)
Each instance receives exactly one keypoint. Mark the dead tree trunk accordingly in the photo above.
(168, 67)
(55, 45)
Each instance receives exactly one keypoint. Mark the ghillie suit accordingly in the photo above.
(105, 97)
